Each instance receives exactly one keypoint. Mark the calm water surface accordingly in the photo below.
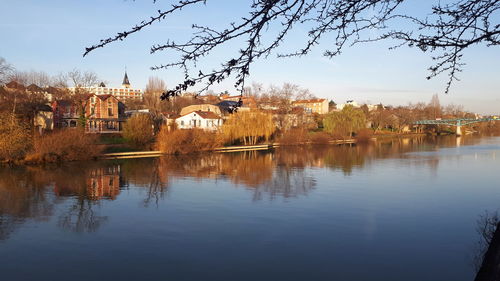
(397, 210)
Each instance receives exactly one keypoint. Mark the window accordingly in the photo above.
(110, 111)
(182, 122)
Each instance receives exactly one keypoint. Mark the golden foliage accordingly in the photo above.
(186, 141)
(248, 127)
(15, 140)
(345, 122)
(64, 145)
(138, 130)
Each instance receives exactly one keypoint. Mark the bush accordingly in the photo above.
(15, 139)
(364, 136)
(138, 130)
(186, 141)
(321, 138)
(294, 136)
(65, 145)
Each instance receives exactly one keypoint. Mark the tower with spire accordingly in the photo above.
(125, 83)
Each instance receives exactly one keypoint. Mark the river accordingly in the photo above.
(399, 209)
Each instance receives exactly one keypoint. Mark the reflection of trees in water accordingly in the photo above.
(486, 256)
(22, 197)
(31, 193)
(87, 187)
(82, 216)
(148, 174)
(286, 182)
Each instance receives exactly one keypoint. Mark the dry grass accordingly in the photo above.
(64, 145)
(186, 141)
(294, 136)
(321, 138)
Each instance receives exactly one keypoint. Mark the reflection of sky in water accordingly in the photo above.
(398, 210)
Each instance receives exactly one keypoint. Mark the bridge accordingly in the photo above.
(458, 123)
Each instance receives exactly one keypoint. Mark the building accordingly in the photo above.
(354, 104)
(201, 107)
(124, 93)
(206, 120)
(44, 119)
(249, 102)
(319, 106)
(104, 114)
(65, 114)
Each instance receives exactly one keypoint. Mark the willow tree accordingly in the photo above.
(248, 127)
(345, 122)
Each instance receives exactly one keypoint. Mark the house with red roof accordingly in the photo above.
(206, 120)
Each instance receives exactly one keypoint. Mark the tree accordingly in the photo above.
(248, 127)
(154, 89)
(447, 31)
(345, 122)
(80, 81)
(5, 71)
(435, 107)
(15, 140)
(380, 118)
(138, 130)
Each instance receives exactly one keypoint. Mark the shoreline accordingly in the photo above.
(225, 149)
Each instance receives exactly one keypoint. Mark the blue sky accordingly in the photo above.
(51, 35)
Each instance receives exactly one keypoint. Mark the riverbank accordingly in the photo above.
(120, 150)
(239, 148)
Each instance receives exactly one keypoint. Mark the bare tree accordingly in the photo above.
(81, 79)
(5, 71)
(154, 89)
(448, 31)
(39, 78)
(435, 107)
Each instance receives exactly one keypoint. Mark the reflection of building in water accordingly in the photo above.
(104, 183)
(99, 183)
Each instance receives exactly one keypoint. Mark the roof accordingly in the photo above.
(205, 114)
(102, 97)
(15, 85)
(34, 88)
(125, 79)
(309, 101)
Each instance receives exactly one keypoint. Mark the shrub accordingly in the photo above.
(294, 136)
(321, 138)
(186, 141)
(65, 145)
(138, 130)
(15, 139)
(364, 136)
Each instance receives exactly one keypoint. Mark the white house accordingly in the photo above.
(206, 120)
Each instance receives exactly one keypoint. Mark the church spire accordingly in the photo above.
(125, 82)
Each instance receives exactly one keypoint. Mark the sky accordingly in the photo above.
(51, 35)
